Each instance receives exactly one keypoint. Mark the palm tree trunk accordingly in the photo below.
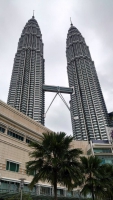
(93, 196)
(55, 185)
(55, 191)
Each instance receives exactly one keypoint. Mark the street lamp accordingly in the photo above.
(0, 179)
(21, 186)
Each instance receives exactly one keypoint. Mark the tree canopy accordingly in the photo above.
(54, 161)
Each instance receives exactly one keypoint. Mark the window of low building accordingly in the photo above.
(45, 190)
(7, 186)
(106, 159)
(28, 141)
(26, 189)
(60, 192)
(31, 173)
(15, 135)
(12, 166)
(69, 193)
(2, 129)
(102, 150)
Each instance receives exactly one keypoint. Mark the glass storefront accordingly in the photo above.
(106, 159)
(8, 186)
(45, 190)
(102, 150)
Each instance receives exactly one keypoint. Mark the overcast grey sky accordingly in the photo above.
(93, 18)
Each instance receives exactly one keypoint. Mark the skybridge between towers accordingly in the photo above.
(58, 90)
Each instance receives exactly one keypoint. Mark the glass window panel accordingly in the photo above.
(2, 129)
(102, 150)
(12, 167)
(7, 166)
(17, 167)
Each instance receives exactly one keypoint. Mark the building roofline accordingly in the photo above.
(8, 107)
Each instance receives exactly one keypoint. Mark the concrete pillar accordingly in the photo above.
(38, 190)
(25, 138)
(52, 191)
(6, 129)
(64, 192)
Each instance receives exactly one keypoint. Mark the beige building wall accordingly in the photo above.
(12, 149)
(81, 145)
(17, 151)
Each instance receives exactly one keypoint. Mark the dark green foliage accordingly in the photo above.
(105, 175)
(98, 179)
(54, 161)
(25, 196)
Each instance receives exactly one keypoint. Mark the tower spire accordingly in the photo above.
(71, 22)
(33, 14)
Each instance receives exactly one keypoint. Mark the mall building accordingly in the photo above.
(16, 132)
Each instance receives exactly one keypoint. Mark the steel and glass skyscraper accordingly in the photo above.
(25, 92)
(88, 110)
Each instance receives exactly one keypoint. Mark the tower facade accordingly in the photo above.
(88, 110)
(25, 92)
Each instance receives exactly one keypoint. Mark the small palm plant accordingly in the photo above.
(54, 161)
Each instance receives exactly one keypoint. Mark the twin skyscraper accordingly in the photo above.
(88, 110)
(25, 92)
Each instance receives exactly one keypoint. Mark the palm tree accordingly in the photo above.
(91, 166)
(98, 178)
(105, 176)
(54, 161)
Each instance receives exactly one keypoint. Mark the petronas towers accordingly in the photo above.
(88, 110)
(25, 93)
